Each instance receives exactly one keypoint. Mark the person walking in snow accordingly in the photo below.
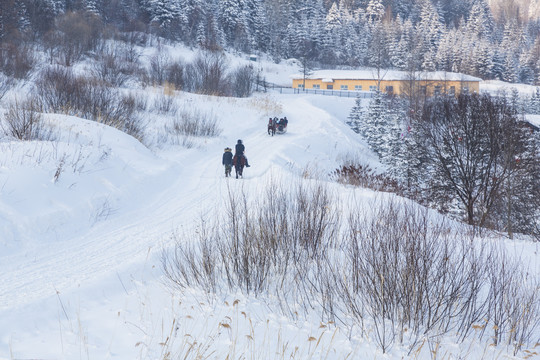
(240, 151)
(227, 161)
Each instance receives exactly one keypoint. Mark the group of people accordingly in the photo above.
(274, 124)
(239, 157)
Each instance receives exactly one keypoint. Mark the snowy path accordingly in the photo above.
(174, 197)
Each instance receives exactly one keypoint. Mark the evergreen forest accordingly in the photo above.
(486, 38)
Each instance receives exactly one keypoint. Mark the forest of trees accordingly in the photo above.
(489, 39)
(469, 156)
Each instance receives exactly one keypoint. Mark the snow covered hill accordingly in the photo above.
(84, 221)
(84, 218)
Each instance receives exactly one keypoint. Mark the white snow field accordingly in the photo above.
(84, 220)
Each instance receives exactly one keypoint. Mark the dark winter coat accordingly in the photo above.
(227, 158)
(240, 148)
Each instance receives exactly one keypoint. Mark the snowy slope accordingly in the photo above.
(84, 220)
(75, 251)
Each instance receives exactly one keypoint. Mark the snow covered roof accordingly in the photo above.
(371, 74)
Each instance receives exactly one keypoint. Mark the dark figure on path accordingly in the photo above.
(240, 150)
(271, 127)
(227, 161)
(239, 161)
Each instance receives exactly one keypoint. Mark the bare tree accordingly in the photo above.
(468, 142)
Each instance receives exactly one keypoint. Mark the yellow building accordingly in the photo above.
(388, 81)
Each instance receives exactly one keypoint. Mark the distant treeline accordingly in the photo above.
(465, 36)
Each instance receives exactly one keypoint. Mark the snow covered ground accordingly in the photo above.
(84, 220)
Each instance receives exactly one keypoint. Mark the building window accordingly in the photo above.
(372, 88)
(300, 86)
(437, 90)
(423, 89)
(389, 89)
(316, 86)
(330, 87)
(452, 90)
(465, 90)
(344, 87)
(358, 87)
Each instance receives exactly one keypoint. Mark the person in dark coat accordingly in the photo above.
(227, 161)
(240, 151)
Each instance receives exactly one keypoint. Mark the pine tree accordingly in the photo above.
(91, 6)
(354, 120)
(257, 24)
(510, 68)
(484, 61)
(394, 137)
(446, 52)
(161, 12)
(374, 124)
(534, 105)
(374, 11)
(430, 29)
(480, 21)
(233, 20)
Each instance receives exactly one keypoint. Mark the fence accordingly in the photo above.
(340, 93)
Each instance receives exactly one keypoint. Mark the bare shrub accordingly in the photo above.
(6, 83)
(90, 98)
(158, 67)
(395, 271)
(23, 121)
(415, 278)
(128, 50)
(513, 303)
(410, 276)
(207, 75)
(175, 74)
(364, 176)
(165, 104)
(267, 243)
(79, 32)
(194, 122)
(59, 88)
(112, 70)
(16, 60)
(242, 81)
(139, 102)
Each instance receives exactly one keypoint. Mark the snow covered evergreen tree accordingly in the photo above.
(480, 21)
(430, 30)
(534, 104)
(374, 123)
(374, 11)
(354, 120)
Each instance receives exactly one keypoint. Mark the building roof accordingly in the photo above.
(388, 75)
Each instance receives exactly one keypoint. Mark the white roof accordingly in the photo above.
(371, 74)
